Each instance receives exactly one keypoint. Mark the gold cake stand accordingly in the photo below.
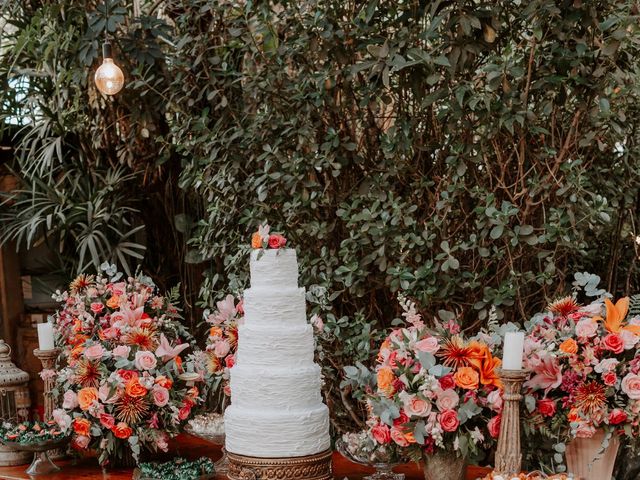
(310, 467)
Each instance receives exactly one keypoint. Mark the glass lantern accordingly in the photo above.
(14, 402)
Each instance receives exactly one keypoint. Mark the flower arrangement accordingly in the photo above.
(125, 386)
(585, 370)
(436, 391)
(222, 341)
(527, 476)
(177, 469)
(29, 433)
(263, 239)
(364, 448)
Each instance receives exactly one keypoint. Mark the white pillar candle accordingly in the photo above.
(513, 351)
(45, 336)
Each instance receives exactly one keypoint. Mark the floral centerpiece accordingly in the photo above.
(125, 386)
(29, 433)
(263, 239)
(585, 372)
(438, 394)
(222, 341)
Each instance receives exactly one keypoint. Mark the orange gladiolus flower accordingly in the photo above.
(467, 378)
(616, 315)
(489, 372)
(569, 346)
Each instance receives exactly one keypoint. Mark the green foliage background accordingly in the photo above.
(472, 154)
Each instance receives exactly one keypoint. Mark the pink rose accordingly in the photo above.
(103, 394)
(398, 437)
(82, 441)
(586, 328)
(160, 396)
(94, 352)
(70, 400)
(122, 351)
(415, 406)
(221, 348)
(277, 241)
(145, 360)
(606, 365)
(381, 433)
(495, 401)
(449, 421)
(494, 426)
(609, 378)
(429, 344)
(184, 412)
(546, 407)
(617, 416)
(447, 400)
(631, 386)
(107, 421)
(97, 307)
(614, 342)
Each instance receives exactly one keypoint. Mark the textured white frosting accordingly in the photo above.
(275, 346)
(277, 433)
(287, 388)
(276, 403)
(274, 268)
(274, 305)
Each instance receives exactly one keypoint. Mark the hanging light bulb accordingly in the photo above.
(109, 78)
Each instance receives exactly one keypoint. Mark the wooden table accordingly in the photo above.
(191, 447)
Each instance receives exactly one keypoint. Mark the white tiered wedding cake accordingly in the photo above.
(276, 406)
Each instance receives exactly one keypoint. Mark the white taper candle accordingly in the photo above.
(513, 351)
(45, 336)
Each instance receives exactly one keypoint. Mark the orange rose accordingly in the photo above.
(86, 397)
(478, 352)
(82, 426)
(122, 430)
(178, 361)
(467, 378)
(385, 380)
(114, 301)
(569, 346)
(164, 382)
(256, 240)
(134, 389)
(574, 415)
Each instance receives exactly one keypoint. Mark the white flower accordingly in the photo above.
(477, 435)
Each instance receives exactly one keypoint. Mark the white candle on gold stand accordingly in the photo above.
(45, 336)
(513, 351)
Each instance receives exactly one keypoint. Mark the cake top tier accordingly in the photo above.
(274, 268)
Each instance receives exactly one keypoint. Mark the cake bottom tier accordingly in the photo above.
(274, 434)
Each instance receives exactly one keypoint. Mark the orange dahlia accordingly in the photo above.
(145, 338)
(81, 282)
(131, 409)
(88, 373)
(590, 399)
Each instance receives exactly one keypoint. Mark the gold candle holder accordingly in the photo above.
(48, 359)
(509, 452)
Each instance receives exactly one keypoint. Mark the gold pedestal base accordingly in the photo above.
(311, 467)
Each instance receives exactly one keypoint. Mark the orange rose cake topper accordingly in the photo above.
(262, 239)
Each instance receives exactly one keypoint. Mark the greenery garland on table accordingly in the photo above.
(177, 469)
(29, 433)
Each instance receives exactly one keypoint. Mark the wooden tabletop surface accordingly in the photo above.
(191, 447)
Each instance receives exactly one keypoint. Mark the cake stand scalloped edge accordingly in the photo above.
(310, 467)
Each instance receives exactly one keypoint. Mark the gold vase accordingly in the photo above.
(586, 460)
(444, 466)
